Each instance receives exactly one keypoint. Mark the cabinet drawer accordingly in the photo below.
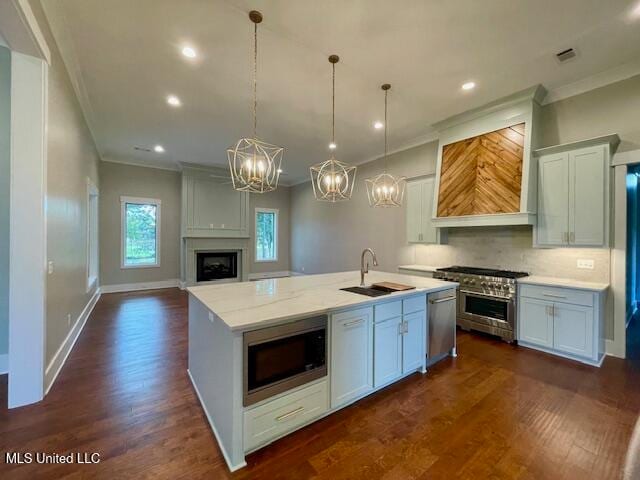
(385, 311)
(270, 420)
(414, 304)
(555, 294)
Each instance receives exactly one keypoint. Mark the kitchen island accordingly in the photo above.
(349, 345)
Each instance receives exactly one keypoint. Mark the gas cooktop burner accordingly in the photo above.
(488, 272)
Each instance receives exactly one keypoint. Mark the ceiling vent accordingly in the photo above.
(142, 149)
(566, 55)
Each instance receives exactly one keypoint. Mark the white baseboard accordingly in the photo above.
(133, 287)
(262, 276)
(612, 349)
(296, 274)
(59, 359)
(4, 363)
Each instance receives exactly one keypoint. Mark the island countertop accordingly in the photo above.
(251, 305)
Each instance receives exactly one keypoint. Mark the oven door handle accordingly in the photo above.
(494, 297)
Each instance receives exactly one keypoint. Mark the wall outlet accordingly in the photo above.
(302, 269)
(50, 267)
(68, 319)
(586, 264)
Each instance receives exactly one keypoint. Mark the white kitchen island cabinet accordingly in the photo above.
(370, 343)
(351, 355)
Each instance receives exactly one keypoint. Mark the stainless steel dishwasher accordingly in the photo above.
(441, 337)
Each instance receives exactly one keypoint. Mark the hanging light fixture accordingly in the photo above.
(333, 180)
(385, 190)
(254, 164)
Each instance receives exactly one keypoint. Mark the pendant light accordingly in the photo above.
(333, 180)
(385, 190)
(254, 164)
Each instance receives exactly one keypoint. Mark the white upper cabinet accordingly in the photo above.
(573, 193)
(420, 228)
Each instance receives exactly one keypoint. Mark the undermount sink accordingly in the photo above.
(370, 291)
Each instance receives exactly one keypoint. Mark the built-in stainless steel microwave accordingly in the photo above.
(279, 358)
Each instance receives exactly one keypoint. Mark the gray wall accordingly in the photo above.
(5, 160)
(330, 237)
(281, 200)
(71, 159)
(118, 180)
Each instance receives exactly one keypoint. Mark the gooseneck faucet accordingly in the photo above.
(364, 269)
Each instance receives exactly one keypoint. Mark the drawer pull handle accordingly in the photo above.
(355, 322)
(553, 295)
(290, 414)
(440, 300)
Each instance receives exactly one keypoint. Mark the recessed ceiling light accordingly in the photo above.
(189, 52)
(173, 101)
(378, 125)
(332, 146)
(469, 86)
(158, 149)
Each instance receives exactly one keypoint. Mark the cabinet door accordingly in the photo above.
(414, 341)
(414, 211)
(553, 199)
(587, 198)
(536, 322)
(573, 329)
(429, 231)
(351, 355)
(387, 351)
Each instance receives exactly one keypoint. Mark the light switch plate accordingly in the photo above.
(586, 264)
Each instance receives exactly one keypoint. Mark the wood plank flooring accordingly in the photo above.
(497, 411)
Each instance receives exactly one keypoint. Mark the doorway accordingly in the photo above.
(632, 281)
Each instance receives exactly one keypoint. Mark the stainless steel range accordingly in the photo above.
(486, 299)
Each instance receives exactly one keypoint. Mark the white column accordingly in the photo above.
(27, 297)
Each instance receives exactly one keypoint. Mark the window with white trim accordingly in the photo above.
(266, 235)
(92, 236)
(140, 243)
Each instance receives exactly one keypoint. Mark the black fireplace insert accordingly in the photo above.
(216, 266)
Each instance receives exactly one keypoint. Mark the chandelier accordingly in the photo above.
(333, 180)
(385, 190)
(254, 164)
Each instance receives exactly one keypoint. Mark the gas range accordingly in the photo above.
(483, 280)
(486, 299)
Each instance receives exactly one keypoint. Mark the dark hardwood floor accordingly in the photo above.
(497, 411)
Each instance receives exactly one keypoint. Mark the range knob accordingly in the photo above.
(472, 282)
(483, 284)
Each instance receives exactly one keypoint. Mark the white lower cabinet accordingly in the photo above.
(351, 355)
(266, 422)
(414, 341)
(564, 321)
(387, 347)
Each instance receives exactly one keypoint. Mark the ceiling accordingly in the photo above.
(124, 59)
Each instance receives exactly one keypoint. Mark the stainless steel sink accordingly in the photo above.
(370, 291)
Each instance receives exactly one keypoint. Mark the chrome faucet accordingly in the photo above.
(364, 269)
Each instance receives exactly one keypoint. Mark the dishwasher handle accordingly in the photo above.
(440, 300)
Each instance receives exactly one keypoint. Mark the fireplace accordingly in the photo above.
(212, 266)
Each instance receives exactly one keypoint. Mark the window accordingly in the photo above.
(140, 232)
(92, 236)
(266, 235)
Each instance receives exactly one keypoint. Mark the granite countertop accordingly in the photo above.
(251, 305)
(563, 282)
(419, 268)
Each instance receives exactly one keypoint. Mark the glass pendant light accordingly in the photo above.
(333, 180)
(385, 190)
(254, 164)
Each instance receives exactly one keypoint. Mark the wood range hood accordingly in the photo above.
(486, 173)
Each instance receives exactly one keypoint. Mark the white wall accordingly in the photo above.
(116, 180)
(5, 160)
(71, 159)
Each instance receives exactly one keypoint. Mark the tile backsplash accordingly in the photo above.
(511, 248)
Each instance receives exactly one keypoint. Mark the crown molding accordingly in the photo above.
(21, 31)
